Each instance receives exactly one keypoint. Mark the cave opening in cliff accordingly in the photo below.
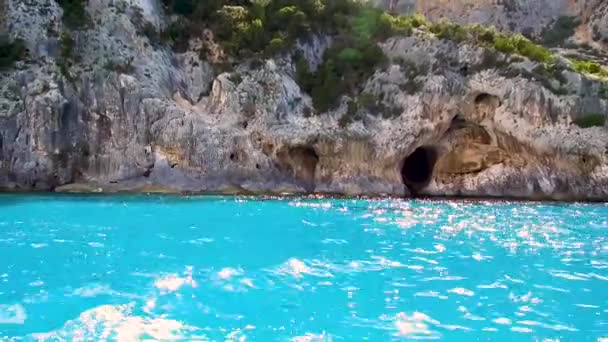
(417, 169)
(486, 98)
(302, 162)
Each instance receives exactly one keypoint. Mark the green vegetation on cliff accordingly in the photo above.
(74, 13)
(354, 56)
(66, 55)
(10, 51)
(591, 120)
(589, 67)
(249, 27)
(267, 27)
(262, 28)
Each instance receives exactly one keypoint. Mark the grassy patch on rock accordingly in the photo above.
(589, 67)
(591, 120)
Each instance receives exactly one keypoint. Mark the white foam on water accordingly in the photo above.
(522, 330)
(568, 276)
(116, 323)
(462, 291)
(93, 290)
(312, 338)
(247, 282)
(440, 248)
(454, 327)
(172, 282)
(322, 205)
(12, 314)
(150, 304)
(236, 335)
(434, 294)
(502, 321)
(297, 267)
(416, 326)
(228, 272)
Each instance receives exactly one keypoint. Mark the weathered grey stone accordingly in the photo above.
(139, 117)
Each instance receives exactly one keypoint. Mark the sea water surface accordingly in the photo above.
(130, 268)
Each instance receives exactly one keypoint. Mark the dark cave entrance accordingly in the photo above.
(302, 162)
(417, 169)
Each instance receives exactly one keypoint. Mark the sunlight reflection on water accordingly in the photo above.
(239, 269)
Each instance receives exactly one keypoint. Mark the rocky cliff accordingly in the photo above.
(532, 17)
(441, 117)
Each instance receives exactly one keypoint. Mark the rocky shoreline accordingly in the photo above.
(95, 190)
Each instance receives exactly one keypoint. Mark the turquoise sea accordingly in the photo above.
(131, 268)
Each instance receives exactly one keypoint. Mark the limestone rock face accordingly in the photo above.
(132, 115)
(598, 23)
